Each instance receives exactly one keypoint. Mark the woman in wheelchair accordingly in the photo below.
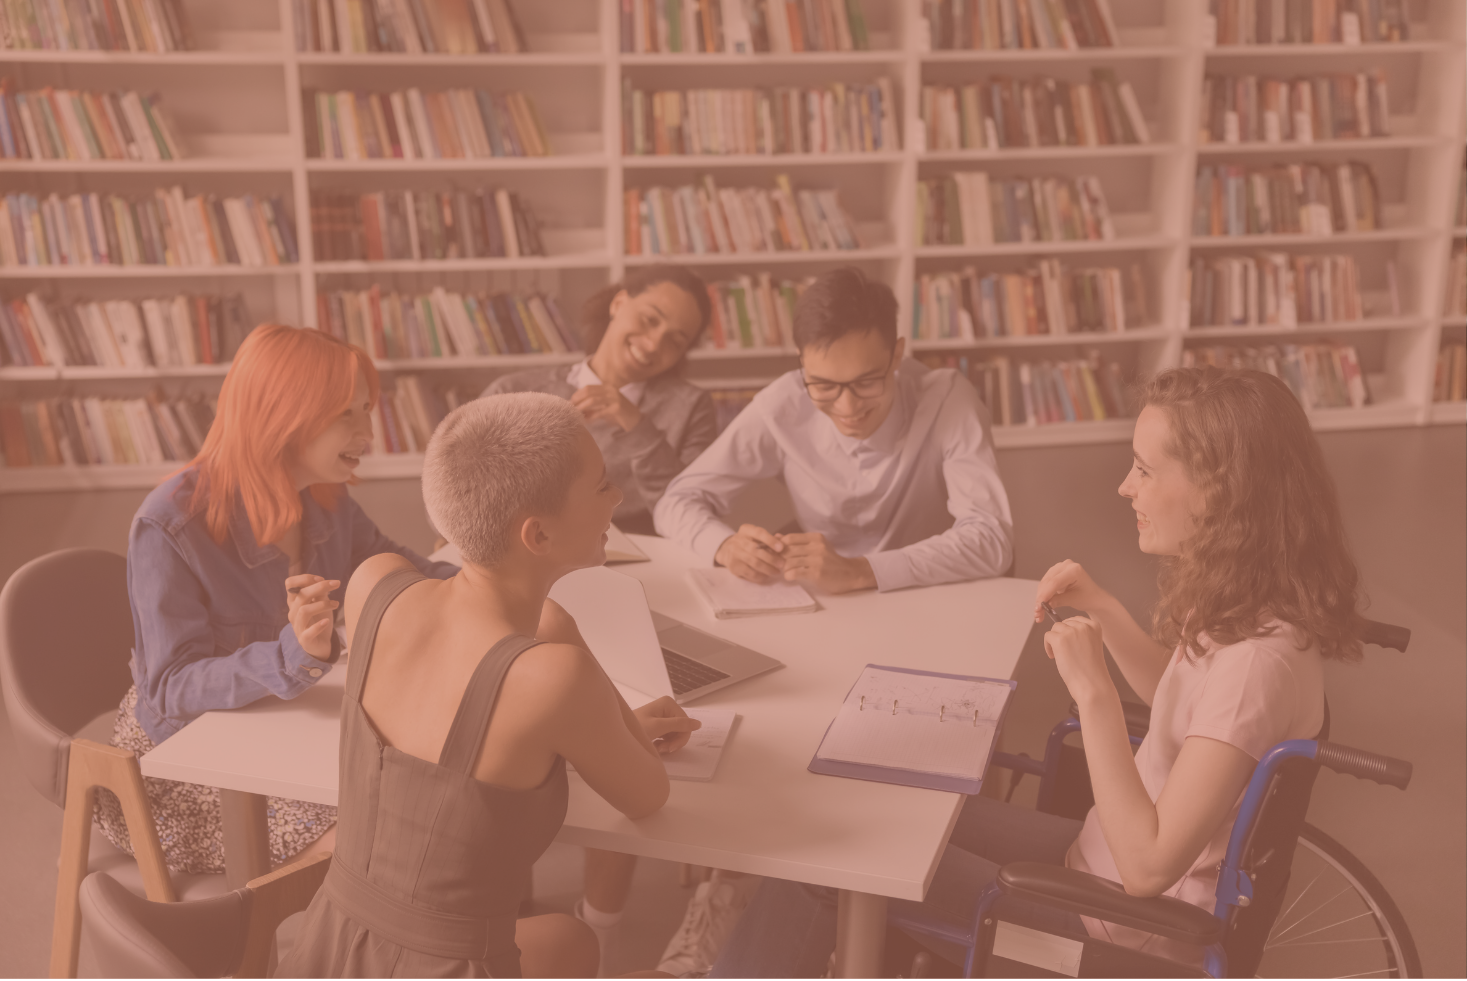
(1257, 588)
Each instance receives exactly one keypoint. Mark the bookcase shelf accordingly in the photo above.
(574, 71)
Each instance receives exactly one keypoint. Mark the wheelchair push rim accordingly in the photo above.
(1337, 920)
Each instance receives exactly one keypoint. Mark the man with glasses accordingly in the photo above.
(889, 463)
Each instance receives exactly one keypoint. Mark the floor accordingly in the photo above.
(1404, 495)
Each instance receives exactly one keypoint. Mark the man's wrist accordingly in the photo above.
(866, 575)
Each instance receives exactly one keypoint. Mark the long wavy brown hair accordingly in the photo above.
(1270, 542)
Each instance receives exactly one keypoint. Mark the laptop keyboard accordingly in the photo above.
(687, 674)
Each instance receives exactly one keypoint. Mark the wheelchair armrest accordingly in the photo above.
(1090, 895)
(1138, 717)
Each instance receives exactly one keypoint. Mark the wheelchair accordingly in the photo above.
(1291, 901)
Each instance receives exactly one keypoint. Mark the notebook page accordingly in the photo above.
(699, 758)
(728, 594)
(917, 722)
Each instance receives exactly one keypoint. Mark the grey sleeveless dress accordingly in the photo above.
(430, 864)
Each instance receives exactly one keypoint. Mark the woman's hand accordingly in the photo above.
(605, 402)
(666, 724)
(311, 607)
(1079, 653)
(1068, 584)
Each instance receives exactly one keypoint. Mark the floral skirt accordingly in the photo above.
(188, 815)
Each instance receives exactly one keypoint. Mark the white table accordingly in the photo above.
(764, 812)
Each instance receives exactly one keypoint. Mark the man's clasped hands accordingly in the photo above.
(763, 556)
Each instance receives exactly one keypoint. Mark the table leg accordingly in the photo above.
(246, 837)
(860, 935)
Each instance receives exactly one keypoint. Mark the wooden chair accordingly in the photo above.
(65, 635)
(230, 935)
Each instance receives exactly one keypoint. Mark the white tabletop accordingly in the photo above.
(763, 812)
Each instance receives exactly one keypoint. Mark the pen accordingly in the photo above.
(1050, 612)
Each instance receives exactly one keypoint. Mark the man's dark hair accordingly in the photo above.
(841, 302)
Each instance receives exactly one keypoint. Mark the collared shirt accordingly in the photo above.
(582, 375)
(920, 497)
(210, 620)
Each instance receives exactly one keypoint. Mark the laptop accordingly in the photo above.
(646, 654)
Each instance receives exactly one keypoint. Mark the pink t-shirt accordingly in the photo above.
(1252, 695)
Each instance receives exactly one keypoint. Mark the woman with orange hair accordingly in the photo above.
(235, 570)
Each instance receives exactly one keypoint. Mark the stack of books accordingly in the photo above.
(1046, 299)
(166, 229)
(417, 125)
(66, 124)
(443, 324)
(409, 410)
(992, 25)
(453, 27)
(1307, 21)
(729, 402)
(1037, 393)
(704, 218)
(1250, 109)
(1322, 376)
(101, 25)
(838, 118)
(752, 312)
(388, 225)
(1277, 289)
(972, 208)
(1286, 199)
(1451, 374)
(1457, 281)
(186, 329)
(1005, 112)
(90, 431)
(741, 26)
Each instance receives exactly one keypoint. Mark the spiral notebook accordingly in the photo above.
(916, 728)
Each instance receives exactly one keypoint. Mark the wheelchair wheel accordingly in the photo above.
(1336, 921)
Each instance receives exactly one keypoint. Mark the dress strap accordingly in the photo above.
(466, 735)
(388, 588)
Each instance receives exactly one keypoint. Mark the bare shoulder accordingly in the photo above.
(557, 675)
(366, 577)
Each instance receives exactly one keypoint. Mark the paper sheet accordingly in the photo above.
(699, 758)
(917, 722)
(729, 596)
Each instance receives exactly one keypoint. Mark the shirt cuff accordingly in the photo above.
(708, 538)
(299, 664)
(893, 570)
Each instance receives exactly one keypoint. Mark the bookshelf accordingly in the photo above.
(236, 103)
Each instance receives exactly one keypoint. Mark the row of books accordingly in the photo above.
(1046, 299)
(66, 124)
(1450, 383)
(416, 125)
(1457, 281)
(742, 26)
(1323, 376)
(1037, 393)
(164, 229)
(1005, 112)
(409, 410)
(992, 25)
(1286, 199)
(89, 431)
(1250, 109)
(837, 118)
(752, 312)
(972, 208)
(99, 25)
(444, 324)
(453, 27)
(168, 331)
(1277, 289)
(704, 218)
(1307, 21)
(388, 225)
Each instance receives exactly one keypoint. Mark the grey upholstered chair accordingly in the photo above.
(229, 935)
(65, 638)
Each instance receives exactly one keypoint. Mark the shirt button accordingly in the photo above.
(314, 672)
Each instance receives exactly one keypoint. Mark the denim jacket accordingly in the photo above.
(210, 620)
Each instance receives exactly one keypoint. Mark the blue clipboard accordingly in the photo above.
(913, 778)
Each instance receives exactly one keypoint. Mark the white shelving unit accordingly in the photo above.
(237, 104)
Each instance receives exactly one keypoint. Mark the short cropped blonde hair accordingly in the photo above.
(494, 460)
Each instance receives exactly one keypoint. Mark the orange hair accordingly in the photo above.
(1270, 541)
(286, 385)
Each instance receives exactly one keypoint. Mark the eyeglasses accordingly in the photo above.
(865, 387)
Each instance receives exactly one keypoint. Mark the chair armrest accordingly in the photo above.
(1090, 895)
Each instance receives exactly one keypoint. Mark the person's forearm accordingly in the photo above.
(1141, 659)
(1127, 815)
(976, 548)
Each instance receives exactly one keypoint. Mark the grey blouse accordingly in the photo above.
(678, 423)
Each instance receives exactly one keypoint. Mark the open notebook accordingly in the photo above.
(730, 597)
(918, 728)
